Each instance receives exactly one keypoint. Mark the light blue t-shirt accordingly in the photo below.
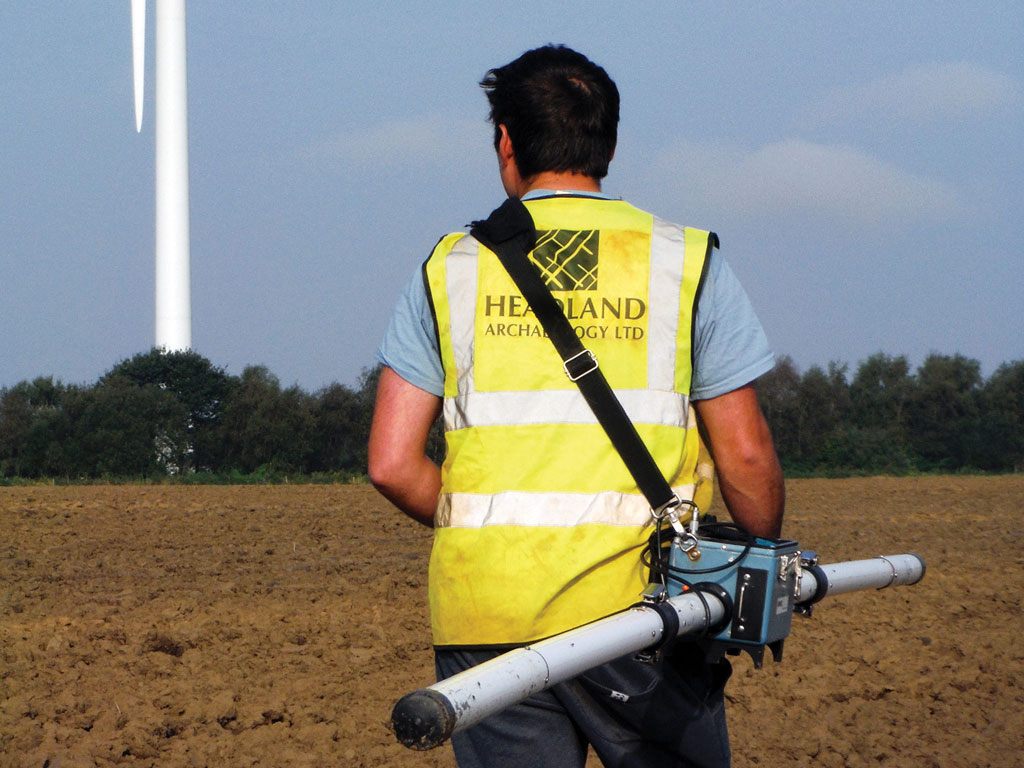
(730, 350)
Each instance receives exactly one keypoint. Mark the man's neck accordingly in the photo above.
(560, 181)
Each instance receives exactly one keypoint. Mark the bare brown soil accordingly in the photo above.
(276, 626)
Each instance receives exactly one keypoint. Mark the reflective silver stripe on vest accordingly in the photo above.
(461, 272)
(489, 409)
(556, 510)
(668, 246)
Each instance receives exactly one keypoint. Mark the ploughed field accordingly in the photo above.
(276, 626)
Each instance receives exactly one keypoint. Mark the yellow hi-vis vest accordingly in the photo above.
(539, 525)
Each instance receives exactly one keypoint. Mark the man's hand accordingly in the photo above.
(399, 467)
(749, 475)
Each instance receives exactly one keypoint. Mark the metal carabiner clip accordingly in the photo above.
(670, 509)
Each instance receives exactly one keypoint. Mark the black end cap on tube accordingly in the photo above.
(923, 566)
(821, 584)
(423, 719)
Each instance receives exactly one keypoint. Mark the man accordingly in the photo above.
(538, 526)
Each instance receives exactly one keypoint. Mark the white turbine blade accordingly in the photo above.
(139, 56)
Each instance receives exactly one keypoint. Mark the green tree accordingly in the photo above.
(943, 412)
(30, 413)
(778, 394)
(267, 427)
(119, 429)
(200, 387)
(873, 434)
(880, 392)
(1002, 418)
(853, 448)
(338, 444)
(822, 403)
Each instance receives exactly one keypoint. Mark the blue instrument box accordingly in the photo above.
(759, 576)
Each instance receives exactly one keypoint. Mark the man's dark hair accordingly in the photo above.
(561, 111)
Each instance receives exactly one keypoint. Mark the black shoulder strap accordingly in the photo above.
(509, 232)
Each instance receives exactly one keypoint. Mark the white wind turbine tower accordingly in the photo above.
(173, 295)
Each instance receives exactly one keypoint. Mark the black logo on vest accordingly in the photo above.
(567, 259)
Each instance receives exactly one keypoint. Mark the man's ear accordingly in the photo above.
(505, 152)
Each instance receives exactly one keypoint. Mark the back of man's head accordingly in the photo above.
(560, 109)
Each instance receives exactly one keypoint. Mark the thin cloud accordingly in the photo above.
(424, 140)
(922, 93)
(804, 178)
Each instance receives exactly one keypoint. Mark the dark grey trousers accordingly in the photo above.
(634, 714)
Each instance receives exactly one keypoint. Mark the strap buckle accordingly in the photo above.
(576, 368)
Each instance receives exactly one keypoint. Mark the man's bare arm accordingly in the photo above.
(749, 474)
(399, 467)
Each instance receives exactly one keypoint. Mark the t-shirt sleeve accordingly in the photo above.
(731, 348)
(409, 346)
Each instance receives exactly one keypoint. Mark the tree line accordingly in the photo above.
(159, 414)
(176, 414)
(887, 419)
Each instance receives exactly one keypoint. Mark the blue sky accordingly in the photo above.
(861, 163)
